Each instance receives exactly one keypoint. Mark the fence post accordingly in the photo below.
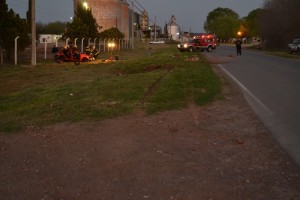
(16, 50)
(67, 41)
(99, 44)
(45, 50)
(95, 42)
(82, 45)
(76, 41)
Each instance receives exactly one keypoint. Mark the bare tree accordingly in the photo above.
(280, 22)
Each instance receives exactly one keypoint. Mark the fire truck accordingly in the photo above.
(200, 42)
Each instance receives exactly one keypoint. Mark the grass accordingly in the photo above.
(152, 80)
(279, 53)
(284, 54)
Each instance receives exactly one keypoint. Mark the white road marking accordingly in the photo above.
(247, 91)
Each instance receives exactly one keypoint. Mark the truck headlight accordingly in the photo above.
(185, 45)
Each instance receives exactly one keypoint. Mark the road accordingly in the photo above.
(271, 86)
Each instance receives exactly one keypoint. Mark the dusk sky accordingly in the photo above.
(189, 14)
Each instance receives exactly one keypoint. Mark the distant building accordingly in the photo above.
(144, 21)
(109, 13)
(173, 29)
(156, 31)
(48, 38)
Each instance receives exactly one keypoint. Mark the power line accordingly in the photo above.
(143, 9)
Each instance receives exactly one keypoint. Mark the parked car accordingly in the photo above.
(157, 42)
(69, 54)
(294, 46)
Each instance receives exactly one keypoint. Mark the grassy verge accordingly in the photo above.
(284, 54)
(280, 53)
(153, 80)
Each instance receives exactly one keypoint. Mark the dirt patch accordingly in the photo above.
(219, 151)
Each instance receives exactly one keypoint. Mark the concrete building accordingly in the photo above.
(109, 13)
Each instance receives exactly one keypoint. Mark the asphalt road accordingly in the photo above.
(271, 86)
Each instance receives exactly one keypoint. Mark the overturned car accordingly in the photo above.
(71, 54)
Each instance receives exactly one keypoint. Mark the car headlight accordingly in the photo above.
(185, 45)
(178, 46)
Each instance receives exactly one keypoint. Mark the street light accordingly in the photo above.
(239, 33)
(111, 45)
(85, 5)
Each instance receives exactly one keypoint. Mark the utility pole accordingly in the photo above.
(33, 34)
(132, 25)
(155, 29)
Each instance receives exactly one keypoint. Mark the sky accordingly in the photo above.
(189, 14)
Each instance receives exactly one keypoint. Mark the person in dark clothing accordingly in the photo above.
(238, 44)
(88, 50)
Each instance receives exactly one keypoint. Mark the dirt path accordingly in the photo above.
(219, 151)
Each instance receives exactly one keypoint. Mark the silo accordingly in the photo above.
(173, 29)
(109, 13)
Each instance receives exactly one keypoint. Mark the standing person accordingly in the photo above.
(238, 44)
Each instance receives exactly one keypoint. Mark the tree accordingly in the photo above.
(12, 26)
(252, 22)
(279, 22)
(224, 22)
(111, 33)
(51, 28)
(83, 25)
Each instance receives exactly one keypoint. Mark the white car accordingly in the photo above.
(295, 46)
(157, 42)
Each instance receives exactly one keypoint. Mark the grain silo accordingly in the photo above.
(173, 29)
(109, 13)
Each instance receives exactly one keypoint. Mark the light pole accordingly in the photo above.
(33, 34)
(132, 24)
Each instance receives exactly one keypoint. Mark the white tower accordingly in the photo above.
(173, 29)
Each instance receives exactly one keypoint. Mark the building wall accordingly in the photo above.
(125, 19)
(109, 13)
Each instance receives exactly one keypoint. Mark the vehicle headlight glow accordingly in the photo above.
(185, 45)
